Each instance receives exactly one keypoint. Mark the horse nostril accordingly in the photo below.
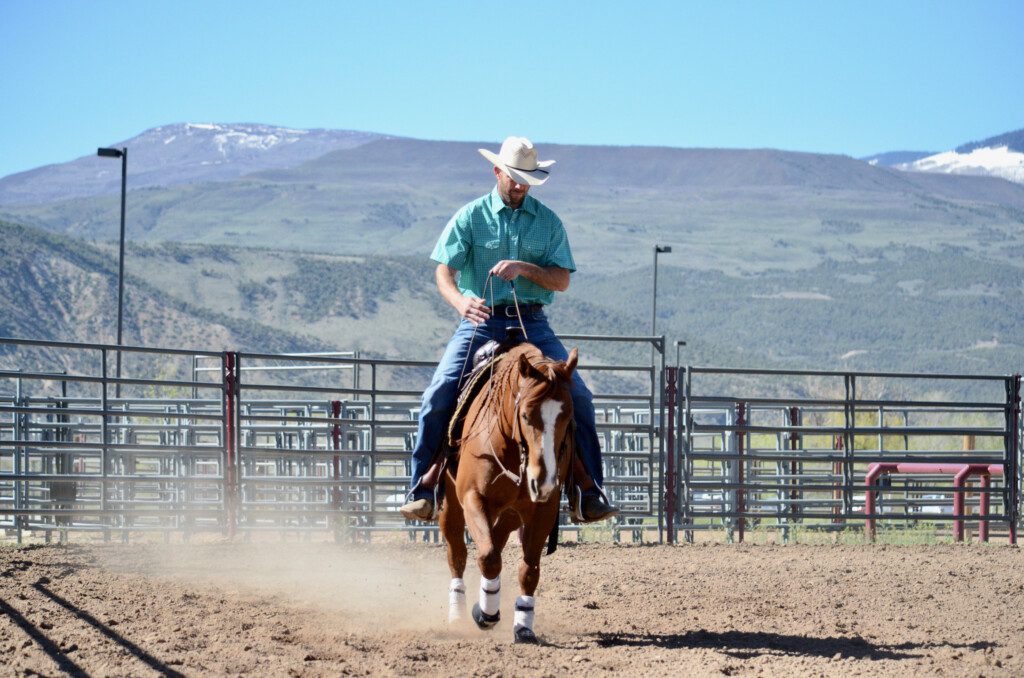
(534, 490)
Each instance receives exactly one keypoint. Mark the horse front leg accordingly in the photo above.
(453, 524)
(535, 536)
(489, 544)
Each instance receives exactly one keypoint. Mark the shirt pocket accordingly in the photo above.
(533, 251)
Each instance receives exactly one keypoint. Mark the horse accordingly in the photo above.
(513, 460)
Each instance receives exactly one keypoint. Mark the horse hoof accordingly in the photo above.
(524, 635)
(484, 620)
(456, 614)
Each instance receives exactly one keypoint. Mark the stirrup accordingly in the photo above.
(576, 505)
(438, 498)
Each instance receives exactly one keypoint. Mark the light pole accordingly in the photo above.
(658, 249)
(123, 154)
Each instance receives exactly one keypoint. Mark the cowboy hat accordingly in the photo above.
(518, 159)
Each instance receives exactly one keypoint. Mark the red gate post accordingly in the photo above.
(670, 476)
(741, 499)
(983, 505)
(960, 498)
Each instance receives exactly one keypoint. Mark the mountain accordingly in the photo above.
(1012, 140)
(57, 288)
(999, 156)
(893, 158)
(185, 153)
(779, 259)
(729, 210)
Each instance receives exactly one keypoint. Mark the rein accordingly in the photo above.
(523, 457)
(489, 286)
(523, 448)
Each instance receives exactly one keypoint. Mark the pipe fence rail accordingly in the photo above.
(229, 442)
(760, 453)
(244, 442)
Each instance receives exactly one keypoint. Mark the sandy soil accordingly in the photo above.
(295, 608)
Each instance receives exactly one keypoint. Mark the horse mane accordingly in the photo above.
(505, 379)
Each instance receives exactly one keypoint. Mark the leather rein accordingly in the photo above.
(520, 440)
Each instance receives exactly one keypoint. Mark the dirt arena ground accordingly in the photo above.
(297, 608)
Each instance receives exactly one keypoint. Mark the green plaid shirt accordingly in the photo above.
(486, 231)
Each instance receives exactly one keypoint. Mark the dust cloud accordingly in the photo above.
(401, 587)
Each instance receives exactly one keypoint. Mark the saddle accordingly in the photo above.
(485, 359)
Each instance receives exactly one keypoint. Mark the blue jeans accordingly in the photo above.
(440, 397)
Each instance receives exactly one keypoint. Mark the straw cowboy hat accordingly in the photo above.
(518, 159)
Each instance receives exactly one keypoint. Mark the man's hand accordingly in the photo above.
(507, 269)
(473, 309)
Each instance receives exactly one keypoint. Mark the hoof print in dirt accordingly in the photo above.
(484, 620)
(525, 635)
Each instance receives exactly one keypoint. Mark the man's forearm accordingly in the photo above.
(470, 308)
(552, 278)
(445, 278)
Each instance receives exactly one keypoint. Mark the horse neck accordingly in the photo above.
(491, 404)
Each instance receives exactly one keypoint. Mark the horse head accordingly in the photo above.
(542, 418)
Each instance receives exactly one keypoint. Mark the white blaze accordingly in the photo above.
(549, 412)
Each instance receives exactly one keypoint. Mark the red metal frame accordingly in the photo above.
(961, 474)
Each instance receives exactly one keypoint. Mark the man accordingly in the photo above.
(502, 238)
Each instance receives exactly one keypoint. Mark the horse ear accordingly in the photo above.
(570, 362)
(527, 368)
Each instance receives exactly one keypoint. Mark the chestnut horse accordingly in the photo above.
(513, 461)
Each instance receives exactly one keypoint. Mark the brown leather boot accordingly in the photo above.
(418, 509)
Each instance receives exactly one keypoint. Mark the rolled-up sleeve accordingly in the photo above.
(456, 239)
(559, 252)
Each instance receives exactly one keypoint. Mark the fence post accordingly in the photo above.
(229, 374)
(741, 439)
(1012, 475)
(794, 442)
(686, 459)
(336, 462)
(669, 407)
(837, 470)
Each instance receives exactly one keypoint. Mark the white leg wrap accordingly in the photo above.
(524, 611)
(490, 595)
(456, 600)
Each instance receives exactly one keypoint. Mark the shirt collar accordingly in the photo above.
(529, 203)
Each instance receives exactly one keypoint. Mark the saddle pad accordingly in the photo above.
(477, 379)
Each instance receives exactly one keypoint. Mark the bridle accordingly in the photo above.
(524, 456)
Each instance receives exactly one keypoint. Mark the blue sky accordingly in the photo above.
(840, 77)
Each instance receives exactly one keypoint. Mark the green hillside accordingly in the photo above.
(728, 210)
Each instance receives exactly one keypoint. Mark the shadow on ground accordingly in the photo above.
(748, 644)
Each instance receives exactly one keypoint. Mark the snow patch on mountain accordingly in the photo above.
(181, 153)
(998, 161)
